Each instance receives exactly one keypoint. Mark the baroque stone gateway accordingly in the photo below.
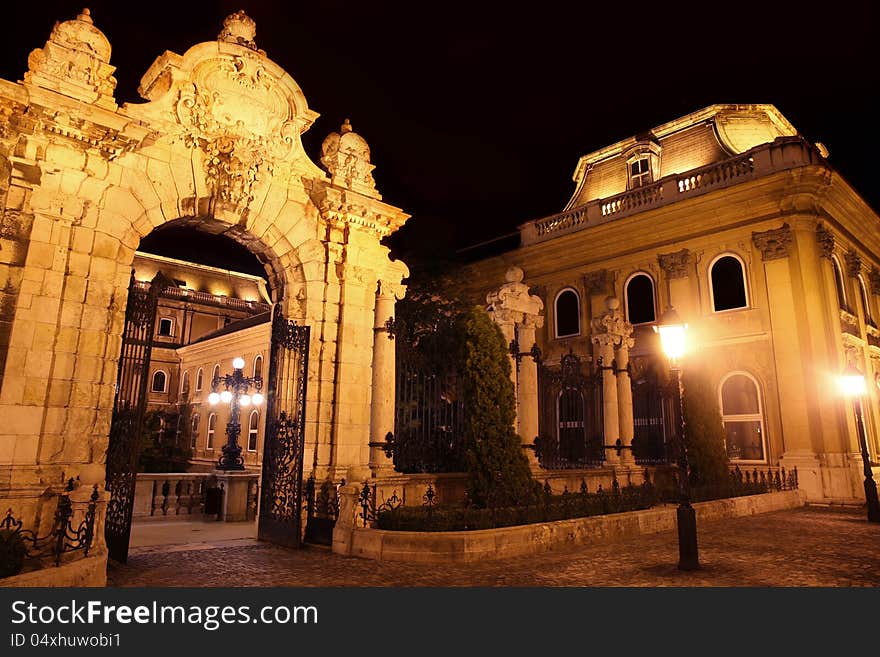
(216, 146)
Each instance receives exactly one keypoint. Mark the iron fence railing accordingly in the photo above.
(22, 548)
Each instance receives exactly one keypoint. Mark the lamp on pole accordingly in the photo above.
(673, 339)
(236, 389)
(852, 385)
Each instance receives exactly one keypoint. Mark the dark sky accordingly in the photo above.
(477, 112)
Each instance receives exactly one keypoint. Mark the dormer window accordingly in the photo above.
(640, 172)
(642, 162)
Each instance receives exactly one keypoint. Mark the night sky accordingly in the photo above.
(476, 113)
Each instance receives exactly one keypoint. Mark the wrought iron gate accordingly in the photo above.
(570, 429)
(280, 519)
(655, 415)
(123, 450)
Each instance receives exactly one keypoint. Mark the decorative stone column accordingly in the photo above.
(612, 332)
(624, 400)
(384, 369)
(519, 313)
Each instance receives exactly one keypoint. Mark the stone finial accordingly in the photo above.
(512, 302)
(75, 62)
(675, 265)
(239, 28)
(825, 239)
(853, 263)
(775, 243)
(346, 156)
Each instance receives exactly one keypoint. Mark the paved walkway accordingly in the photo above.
(805, 547)
(151, 533)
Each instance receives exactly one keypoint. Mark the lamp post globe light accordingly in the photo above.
(236, 393)
(852, 386)
(673, 340)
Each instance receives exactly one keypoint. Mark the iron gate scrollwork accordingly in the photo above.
(655, 414)
(129, 404)
(280, 518)
(570, 429)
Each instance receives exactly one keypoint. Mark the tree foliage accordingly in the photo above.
(498, 471)
(704, 431)
(162, 448)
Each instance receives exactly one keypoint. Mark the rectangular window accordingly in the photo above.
(640, 173)
(166, 327)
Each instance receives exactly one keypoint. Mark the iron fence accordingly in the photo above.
(22, 548)
(322, 510)
(570, 423)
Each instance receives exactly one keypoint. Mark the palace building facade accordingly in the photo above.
(771, 257)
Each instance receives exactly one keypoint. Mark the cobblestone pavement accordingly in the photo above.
(805, 547)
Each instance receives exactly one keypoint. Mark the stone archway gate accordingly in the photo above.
(217, 145)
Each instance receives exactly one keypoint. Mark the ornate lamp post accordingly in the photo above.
(673, 339)
(236, 394)
(852, 385)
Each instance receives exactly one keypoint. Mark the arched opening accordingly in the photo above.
(839, 285)
(866, 303)
(743, 418)
(213, 304)
(727, 275)
(640, 303)
(567, 313)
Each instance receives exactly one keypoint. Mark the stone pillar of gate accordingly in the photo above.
(612, 332)
(384, 370)
(519, 313)
(624, 400)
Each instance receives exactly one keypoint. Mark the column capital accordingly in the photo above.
(513, 304)
(825, 239)
(675, 265)
(853, 263)
(874, 280)
(775, 243)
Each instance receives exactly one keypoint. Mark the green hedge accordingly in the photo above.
(448, 518)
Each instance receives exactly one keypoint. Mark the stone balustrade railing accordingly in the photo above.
(185, 494)
(784, 153)
(209, 299)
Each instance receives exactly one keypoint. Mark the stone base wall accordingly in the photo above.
(90, 571)
(469, 546)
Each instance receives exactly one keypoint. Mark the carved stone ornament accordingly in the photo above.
(853, 263)
(239, 28)
(346, 156)
(512, 303)
(75, 62)
(598, 282)
(825, 239)
(775, 243)
(675, 265)
(874, 279)
(611, 328)
(240, 115)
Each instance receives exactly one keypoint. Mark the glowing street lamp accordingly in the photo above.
(852, 386)
(673, 340)
(236, 393)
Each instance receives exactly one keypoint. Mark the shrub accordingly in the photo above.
(12, 553)
(498, 471)
(704, 431)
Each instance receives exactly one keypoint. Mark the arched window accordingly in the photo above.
(866, 303)
(253, 429)
(215, 374)
(194, 431)
(639, 293)
(258, 367)
(838, 283)
(160, 380)
(212, 424)
(728, 283)
(184, 383)
(743, 417)
(568, 313)
(199, 380)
